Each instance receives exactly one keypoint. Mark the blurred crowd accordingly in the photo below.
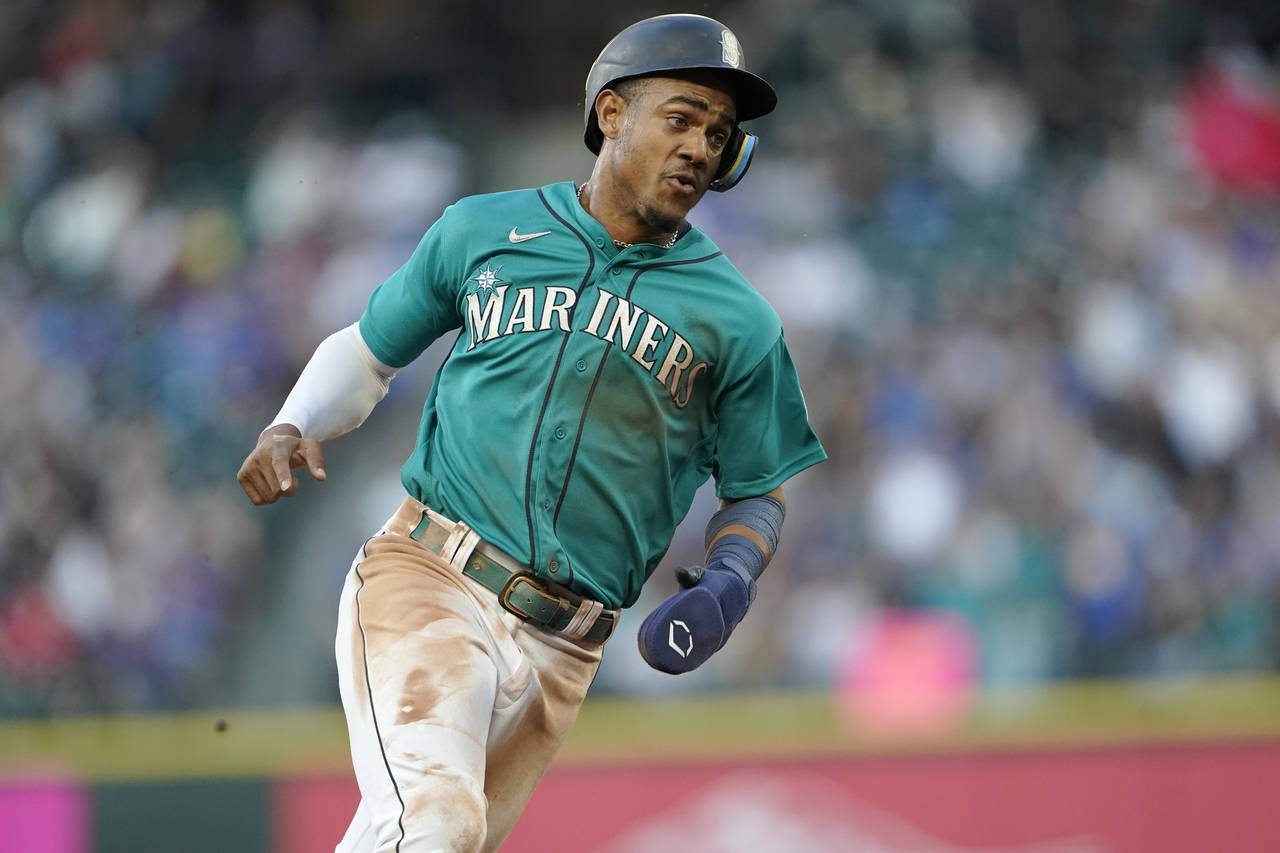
(1027, 260)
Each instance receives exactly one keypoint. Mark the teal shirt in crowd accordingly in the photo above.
(590, 391)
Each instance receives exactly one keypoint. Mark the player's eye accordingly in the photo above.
(718, 141)
(678, 122)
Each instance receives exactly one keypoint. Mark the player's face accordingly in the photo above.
(673, 134)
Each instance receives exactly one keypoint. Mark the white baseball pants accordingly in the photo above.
(454, 706)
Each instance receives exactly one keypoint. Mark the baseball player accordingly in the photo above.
(608, 360)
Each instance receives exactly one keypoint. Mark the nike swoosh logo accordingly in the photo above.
(520, 238)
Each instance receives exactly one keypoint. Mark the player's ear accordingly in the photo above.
(610, 108)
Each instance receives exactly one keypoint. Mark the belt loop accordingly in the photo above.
(583, 620)
(458, 547)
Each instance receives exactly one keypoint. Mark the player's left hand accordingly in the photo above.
(689, 627)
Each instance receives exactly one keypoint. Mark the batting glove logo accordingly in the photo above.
(687, 638)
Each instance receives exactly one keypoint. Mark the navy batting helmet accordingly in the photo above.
(679, 43)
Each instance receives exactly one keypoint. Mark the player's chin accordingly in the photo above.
(677, 203)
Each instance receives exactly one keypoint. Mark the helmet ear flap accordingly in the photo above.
(735, 161)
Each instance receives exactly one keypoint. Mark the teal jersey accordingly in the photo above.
(589, 391)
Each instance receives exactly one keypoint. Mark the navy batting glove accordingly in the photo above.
(689, 627)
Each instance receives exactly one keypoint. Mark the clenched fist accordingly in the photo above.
(692, 625)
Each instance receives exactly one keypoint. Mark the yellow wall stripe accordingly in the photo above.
(720, 727)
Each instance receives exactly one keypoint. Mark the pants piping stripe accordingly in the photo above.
(364, 651)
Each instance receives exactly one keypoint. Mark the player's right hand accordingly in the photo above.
(265, 476)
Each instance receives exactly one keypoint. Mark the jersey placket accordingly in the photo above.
(573, 384)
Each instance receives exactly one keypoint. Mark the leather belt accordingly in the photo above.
(519, 591)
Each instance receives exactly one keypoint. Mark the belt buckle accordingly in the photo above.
(504, 594)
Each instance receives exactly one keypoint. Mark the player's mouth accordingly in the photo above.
(683, 183)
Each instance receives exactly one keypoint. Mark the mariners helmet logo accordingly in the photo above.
(730, 49)
(682, 638)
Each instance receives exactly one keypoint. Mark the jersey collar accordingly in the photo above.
(563, 198)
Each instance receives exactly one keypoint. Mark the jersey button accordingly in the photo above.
(560, 433)
(600, 242)
(615, 272)
(554, 567)
(581, 364)
(546, 503)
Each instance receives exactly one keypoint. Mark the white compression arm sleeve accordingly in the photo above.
(338, 388)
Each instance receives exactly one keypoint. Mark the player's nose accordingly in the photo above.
(695, 149)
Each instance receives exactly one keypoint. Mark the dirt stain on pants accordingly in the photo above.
(455, 707)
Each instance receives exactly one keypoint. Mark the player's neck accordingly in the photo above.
(625, 227)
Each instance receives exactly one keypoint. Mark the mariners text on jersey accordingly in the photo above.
(645, 365)
(653, 344)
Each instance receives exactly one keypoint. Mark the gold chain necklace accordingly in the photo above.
(623, 244)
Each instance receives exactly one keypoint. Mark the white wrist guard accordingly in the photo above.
(338, 388)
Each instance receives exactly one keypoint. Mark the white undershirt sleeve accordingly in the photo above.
(338, 388)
